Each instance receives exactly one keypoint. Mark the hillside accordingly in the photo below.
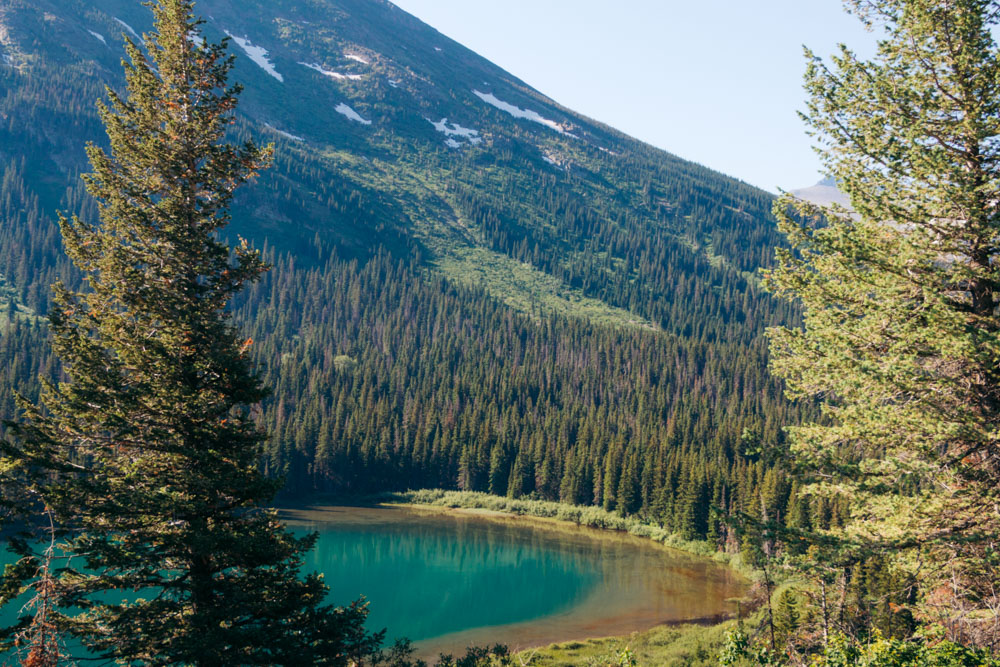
(474, 287)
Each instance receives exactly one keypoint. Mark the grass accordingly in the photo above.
(663, 646)
(527, 289)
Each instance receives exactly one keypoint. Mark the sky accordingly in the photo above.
(718, 82)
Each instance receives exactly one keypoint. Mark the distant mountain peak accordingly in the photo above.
(824, 193)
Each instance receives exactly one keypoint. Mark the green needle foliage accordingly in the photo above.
(902, 332)
(147, 456)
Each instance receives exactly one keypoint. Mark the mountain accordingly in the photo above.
(474, 286)
(823, 193)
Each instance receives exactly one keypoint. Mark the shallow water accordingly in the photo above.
(451, 579)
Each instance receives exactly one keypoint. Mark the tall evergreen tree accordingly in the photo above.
(147, 456)
(902, 329)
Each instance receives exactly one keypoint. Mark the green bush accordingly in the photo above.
(882, 652)
(878, 652)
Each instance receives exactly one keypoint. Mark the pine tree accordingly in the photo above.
(902, 329)
(147, 455)
(499, 471)
(787, 616)
(465, 474)
(629, 498)
(612, 470)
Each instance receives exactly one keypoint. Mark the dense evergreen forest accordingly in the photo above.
(388, 376)
(479, 319)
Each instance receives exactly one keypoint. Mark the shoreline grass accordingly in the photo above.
(680, 645)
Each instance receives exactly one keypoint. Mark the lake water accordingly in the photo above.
(451, 579)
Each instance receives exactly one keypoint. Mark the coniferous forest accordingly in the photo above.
(387, 377)
(611, 306)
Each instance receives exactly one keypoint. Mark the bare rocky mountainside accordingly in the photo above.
(474, 286)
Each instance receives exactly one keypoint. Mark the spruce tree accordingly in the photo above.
(147, 455)
(901, 337)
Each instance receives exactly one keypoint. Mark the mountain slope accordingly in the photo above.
(474, 285)
(419, 115)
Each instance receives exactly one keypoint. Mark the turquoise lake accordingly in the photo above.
(451, 579)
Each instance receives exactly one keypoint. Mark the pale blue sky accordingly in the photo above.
(714, 81)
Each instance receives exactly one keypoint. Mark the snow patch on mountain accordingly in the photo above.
(393, 83)
(455, 130)
(287, 135)
(257, 54)
(360, 59)
(351, 113)
(517, 112)
(99, 36)
(331, 73)
(128, 28)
